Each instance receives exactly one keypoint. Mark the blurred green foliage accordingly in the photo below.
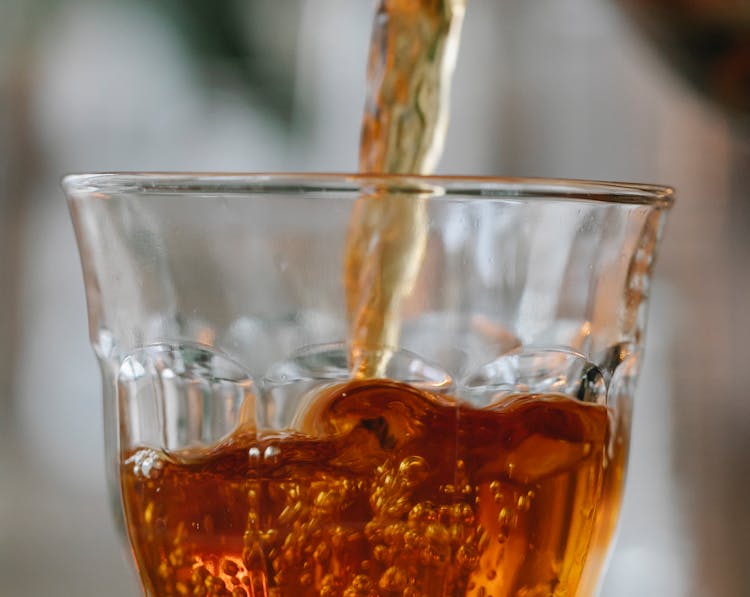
(248, 45)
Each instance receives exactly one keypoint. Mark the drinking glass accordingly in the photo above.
(247, 454)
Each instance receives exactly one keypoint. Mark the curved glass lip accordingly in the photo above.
(103, 184)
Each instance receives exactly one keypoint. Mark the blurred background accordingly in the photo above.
(545, 88)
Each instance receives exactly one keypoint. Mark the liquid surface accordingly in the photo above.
(381, 489)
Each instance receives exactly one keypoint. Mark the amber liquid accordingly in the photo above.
(384, 490)
(412, 54)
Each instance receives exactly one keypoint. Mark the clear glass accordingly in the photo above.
(247, 460)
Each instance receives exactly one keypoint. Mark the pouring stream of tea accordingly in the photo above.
(412, 57)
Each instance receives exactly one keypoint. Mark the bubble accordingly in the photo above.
(148, 514)
(382, 553)
(524, 503)
(165, 570)
(373, 531)
(394, 533)
(393, 579)
(412, 470)
(214, 584)
(290, 513)
(271, 454)
(423, 511)
(483, 540)
(398, 507)
(199, 574)
(326, 503)
(467, 557)
(322, 553)
(412, 539)
(329, 581)
(230, 568)
(437, 535)
(338, 536)
(361, 586)
(464, 513)
(176, 557)
(505, 523)
(448, 489)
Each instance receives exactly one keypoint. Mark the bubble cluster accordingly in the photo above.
(146, 463)
(295, 515)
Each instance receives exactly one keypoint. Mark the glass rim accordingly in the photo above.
(440, 186)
